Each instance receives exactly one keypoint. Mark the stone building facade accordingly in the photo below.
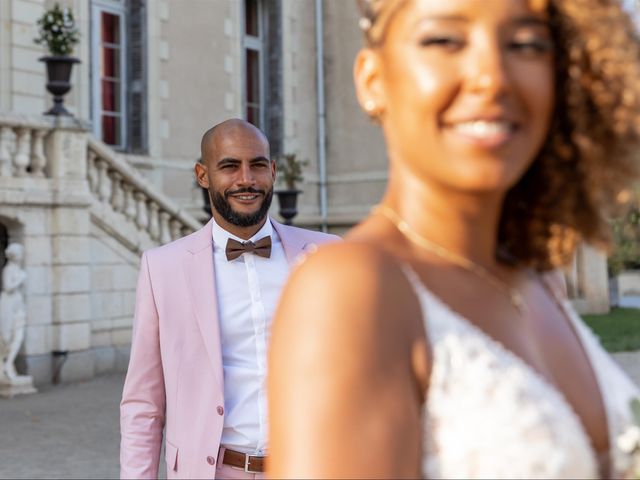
(86, 195)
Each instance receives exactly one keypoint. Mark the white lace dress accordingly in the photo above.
(490, 415)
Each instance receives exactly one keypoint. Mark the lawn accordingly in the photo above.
(619, 330)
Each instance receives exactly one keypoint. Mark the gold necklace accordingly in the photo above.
(403, 227)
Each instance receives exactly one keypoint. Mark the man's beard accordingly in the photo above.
(223, 207)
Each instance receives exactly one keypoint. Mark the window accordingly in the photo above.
(253, 63)
(108, 46)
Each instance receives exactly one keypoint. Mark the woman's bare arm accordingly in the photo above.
(343, 396)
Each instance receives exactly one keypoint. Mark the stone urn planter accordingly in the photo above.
(58, 32)
(288, 201)
(290, 172)
(58, 80)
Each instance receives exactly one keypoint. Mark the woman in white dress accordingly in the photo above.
(437, 340)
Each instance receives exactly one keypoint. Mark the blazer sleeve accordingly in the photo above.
(142, 410)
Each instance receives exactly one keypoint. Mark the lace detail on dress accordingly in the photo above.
(490, 415)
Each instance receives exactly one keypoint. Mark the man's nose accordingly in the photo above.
(246, 175)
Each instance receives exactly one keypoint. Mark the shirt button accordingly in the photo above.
(220, 410)
(211, 460)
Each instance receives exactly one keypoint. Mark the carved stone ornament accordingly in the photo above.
(13, 323)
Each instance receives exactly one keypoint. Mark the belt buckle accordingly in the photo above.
(247, 460)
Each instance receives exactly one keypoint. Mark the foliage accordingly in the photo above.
(290, 169)
(626, 237)
(619, 330)
(57, 30)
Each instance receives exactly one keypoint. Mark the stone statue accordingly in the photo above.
(13, 322)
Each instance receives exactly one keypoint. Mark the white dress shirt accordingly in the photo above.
(248, 290)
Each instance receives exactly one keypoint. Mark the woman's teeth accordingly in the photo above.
(483, 128)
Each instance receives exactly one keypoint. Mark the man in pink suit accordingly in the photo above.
(203, 310)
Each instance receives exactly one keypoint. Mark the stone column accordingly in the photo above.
(70, 276)
(590, 281)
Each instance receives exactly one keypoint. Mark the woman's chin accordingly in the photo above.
(487, 181)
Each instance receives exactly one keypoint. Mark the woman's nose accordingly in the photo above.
(487, 73)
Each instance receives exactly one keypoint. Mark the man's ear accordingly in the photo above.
(202, 178)
(274, 169)
(367, 76)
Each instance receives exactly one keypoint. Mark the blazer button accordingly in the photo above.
(211, 460)
(220, 410)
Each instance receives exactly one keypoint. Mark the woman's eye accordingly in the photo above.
(446, 42)
(532, 46)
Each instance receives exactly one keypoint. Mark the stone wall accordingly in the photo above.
(114, 272)
(629, 283)
(22, 76)
(357, 160)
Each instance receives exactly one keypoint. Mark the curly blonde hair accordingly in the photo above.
(592, 151)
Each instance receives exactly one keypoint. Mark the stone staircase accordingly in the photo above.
(84, 216)
(127, 207)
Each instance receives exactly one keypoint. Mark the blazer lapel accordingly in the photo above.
(200, 273)
(294, 245)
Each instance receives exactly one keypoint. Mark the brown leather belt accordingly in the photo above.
(248, 463)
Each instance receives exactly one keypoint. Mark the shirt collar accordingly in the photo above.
(221, 236)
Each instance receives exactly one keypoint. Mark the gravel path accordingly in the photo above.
(68, 431)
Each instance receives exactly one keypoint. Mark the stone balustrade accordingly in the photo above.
(22, 146)
(84, 215)
(113, 182)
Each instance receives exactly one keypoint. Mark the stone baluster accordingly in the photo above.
(129, 201)
(21, 157)
(5, 156)
(176, 229)
(142, 219)
(117, 194)
(104, 182)
(154, 221)
(186, 231)
(92, 171)
(165, 234)
(38, 159)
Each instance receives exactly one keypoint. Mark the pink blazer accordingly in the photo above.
(175, 379)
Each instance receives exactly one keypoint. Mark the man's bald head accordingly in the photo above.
(232, 130)
(238, 172)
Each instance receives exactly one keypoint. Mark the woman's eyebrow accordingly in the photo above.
(531, 20)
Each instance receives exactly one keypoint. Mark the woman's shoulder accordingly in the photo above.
(356, 266)
(356, 286)
(367, 250)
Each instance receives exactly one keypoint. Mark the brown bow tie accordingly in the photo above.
(235, 248)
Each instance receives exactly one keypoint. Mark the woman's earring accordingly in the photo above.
(373, 110)
(370, 107)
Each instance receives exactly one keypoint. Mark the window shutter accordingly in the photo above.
(137, 73)
(273, 75)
